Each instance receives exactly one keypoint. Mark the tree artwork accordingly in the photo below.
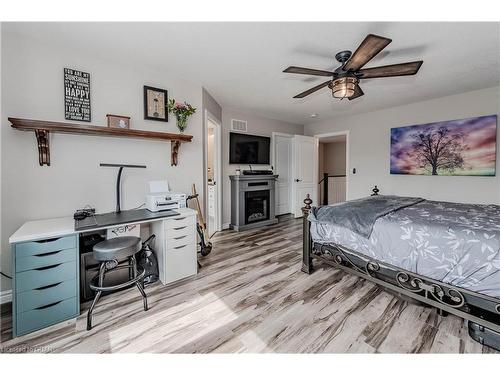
(452, 148)
(439, 150)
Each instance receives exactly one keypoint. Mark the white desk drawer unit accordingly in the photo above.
(176, 247)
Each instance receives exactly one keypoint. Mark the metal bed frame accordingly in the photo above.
(474, 307)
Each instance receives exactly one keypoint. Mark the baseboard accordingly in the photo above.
(225, 226)
(5, 296)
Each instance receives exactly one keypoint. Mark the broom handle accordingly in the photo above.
(200, 215)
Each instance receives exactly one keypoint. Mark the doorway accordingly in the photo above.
(332, 168)
(296, 164)
(213, 174)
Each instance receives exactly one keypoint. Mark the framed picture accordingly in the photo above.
(120, 122)
(76, 95)
(464, 147)
(155, 104)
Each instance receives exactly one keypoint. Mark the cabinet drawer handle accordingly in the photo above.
(179, 247)
(48, 240)
(47, 267)
(179, 238)
(180, 228)
(47, 254)
(48, 286)
(47, 306)
(181, 218)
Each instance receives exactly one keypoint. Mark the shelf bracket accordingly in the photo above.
(42, 138)
(175, 150)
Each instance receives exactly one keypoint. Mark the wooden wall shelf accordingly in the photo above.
(42, 130)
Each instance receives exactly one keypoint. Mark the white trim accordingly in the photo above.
(5, 296)
(347, 168)
(225, 226)
(218, 177)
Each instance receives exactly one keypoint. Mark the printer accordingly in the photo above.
(160, 198)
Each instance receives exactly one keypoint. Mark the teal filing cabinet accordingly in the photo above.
(45, 289)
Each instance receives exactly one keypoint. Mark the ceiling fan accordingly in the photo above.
(344, 81)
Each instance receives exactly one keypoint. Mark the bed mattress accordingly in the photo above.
(455, 243)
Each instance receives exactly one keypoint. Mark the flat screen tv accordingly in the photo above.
(248, 149)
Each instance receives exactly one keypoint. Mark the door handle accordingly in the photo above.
(297, 180)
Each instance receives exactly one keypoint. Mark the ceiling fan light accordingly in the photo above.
(343, 87)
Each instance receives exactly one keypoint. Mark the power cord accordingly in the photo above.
(7, 276)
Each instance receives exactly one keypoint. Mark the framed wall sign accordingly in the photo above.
(76, 95)
(155, 104)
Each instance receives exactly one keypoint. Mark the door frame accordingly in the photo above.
(273, 163)
(218, 163)
(294, 207)
(347, 170)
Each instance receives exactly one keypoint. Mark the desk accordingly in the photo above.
(45, 263)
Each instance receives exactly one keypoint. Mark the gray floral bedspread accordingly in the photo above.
(458, 244)
(360, 215)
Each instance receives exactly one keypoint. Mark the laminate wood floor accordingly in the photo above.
(250, 296)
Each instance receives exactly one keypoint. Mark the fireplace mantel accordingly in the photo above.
(244, 187)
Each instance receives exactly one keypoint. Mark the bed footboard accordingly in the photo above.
(307, 265)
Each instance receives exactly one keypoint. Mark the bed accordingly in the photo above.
(446, 255)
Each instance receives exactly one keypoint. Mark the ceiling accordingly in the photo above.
(241, 64)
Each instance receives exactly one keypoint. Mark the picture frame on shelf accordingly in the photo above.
(117, 121)
(155, 104)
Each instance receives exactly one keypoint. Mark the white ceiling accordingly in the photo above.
(241, 64)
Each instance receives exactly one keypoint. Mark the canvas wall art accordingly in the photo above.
(464, 147)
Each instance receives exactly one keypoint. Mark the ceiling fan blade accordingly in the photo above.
(313, 72)
(395, 70)
(368, 48)
(357, 93)
(311, 90)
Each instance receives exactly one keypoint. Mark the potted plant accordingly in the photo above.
(182, 111)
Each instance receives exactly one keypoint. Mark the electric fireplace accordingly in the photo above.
(252, 201)
(256, 206)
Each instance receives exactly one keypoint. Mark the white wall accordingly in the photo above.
(211, 105)
(334, 158)
(256, 125)
(369, 136)
(32, 87)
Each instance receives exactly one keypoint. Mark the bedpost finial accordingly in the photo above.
(375, 190)
(308, 201)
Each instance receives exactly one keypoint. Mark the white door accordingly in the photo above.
(213, 165)
(283, 168)
(304, 172)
